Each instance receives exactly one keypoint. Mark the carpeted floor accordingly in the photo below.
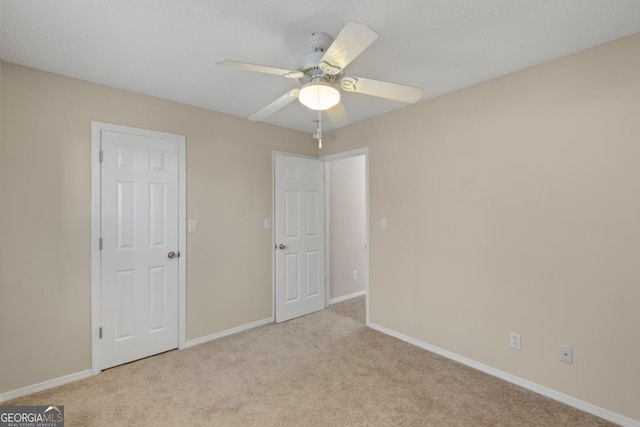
(325, 369)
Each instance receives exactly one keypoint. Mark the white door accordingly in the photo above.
(299, 236)
(139, 256)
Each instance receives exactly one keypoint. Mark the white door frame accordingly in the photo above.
(344, 155)
(340, 156)
(96, 129)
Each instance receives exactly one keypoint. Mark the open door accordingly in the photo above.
(299, 236)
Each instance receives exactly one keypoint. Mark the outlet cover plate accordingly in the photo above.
(514, 340)
(566, 354)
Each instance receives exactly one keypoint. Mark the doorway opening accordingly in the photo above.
(347, 226)
(343, 252)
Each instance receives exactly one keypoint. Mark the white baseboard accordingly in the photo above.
(55, 382)
(224, 333)
(545, 391)
(346, 297)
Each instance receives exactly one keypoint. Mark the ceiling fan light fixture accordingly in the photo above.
(319, 96)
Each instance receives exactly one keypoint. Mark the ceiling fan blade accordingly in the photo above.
(379, 88)
(351, 42)
(263, 69)
(275, 105)
(338, 115)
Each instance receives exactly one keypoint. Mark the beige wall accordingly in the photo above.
(514, 205)
(45, 222)
(347, 213)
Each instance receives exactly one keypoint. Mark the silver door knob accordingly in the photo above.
(281, 246)
(173, 254)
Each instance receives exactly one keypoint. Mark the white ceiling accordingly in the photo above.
(168, 48)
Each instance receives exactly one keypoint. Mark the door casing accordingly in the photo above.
(96, 129)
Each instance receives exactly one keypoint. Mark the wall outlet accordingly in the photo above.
(355, 274)
(192, 226)
(566, 354)
(514, 340)
(383, 223)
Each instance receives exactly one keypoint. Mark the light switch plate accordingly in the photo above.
(267, 223)
(192, 225)
(383, 223)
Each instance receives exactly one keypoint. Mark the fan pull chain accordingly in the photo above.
(319, 129)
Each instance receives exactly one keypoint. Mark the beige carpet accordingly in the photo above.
(326, 369)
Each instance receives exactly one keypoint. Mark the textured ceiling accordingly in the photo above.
(168, 48)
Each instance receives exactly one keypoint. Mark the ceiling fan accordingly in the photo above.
(322, 72)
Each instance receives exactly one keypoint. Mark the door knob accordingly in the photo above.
(173, 254)
(282, 246)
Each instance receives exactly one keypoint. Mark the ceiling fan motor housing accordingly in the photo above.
(309, 65)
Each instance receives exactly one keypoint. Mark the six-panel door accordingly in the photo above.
(139, 227)
(299, 231)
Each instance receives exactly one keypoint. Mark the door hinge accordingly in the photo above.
(100, 243)
(101, 156)
(100, 332)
